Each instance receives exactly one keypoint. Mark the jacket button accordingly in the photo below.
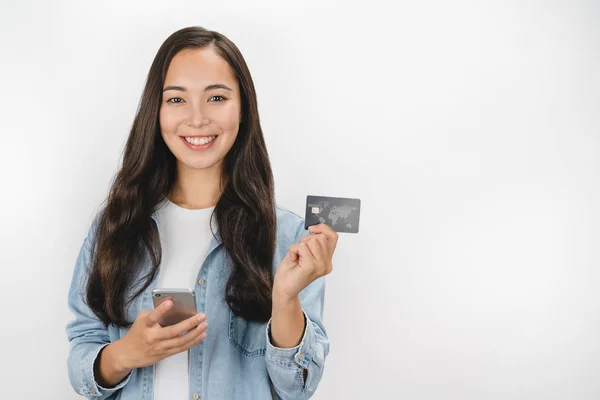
(300, 356)
(201, 282)
(196, 396)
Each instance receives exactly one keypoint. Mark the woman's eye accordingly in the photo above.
(172, 99)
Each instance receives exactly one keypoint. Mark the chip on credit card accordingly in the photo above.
(340, 213)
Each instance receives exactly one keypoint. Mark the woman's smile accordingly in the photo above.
(199, 143)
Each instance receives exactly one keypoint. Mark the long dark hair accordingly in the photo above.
(245, 211)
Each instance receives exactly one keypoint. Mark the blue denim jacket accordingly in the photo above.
(235, 361)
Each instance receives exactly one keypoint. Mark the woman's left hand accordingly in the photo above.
(305, 262)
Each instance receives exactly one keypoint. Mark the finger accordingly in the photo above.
(302, 251)
(327, 232)
(324, 229)
(306, 238)
(327, 245)
(294, 250)
(318, 228)
(154, 315)
(299, 250)
(184, 342)
(293, 253)
(172, 331)
(315, 246)
(180, 341)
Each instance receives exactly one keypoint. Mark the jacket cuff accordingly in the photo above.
(301, 355)
(90, 385)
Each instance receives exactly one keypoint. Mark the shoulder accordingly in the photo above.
(286, 215)
(93, 226)
(290, 226)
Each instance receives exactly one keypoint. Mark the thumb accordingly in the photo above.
(154, 315)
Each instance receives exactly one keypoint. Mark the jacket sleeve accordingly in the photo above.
(86, 333)
(286, 365)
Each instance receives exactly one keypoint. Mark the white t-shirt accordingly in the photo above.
(184, 236)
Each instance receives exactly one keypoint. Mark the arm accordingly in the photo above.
(107, 369)
(287, 322)
(297, 342)
(86, 333)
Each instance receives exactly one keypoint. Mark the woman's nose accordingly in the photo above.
(197, 117)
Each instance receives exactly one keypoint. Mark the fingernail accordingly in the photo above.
(201, 317)
(168, 304)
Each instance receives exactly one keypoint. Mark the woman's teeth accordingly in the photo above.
(199, 140)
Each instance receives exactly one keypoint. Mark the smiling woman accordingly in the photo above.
(201, 109)
(196, 155)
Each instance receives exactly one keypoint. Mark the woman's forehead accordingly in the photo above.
(196, 68)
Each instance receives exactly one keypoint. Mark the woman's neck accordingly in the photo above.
(196, 188)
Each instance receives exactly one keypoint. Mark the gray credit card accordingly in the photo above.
(340, 213)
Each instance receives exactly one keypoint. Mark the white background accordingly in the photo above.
(469, 130)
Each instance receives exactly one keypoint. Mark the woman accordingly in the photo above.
(196, 162)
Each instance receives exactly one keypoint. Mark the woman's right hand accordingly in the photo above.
(147, 342)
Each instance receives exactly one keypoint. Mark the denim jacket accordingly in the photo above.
(236, 360)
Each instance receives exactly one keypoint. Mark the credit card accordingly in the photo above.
(340, 213)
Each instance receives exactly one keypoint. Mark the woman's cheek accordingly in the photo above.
(170, 125)
(232, 118)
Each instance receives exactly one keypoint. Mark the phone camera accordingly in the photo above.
(157, 295)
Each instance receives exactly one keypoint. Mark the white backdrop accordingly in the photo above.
(470, 130)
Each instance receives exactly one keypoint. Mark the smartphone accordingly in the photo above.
(184, 304)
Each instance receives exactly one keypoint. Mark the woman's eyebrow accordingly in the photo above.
(206, 89)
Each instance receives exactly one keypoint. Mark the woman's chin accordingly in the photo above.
(196, 164)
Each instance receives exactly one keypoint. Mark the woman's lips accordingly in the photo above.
(199, 146)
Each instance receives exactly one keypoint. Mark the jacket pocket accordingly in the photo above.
(248, 337)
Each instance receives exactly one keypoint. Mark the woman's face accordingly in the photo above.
(200, 100)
